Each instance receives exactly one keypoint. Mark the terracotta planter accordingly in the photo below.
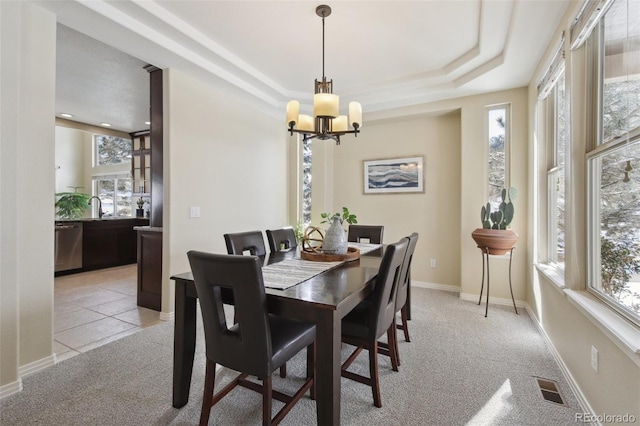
(498, 241)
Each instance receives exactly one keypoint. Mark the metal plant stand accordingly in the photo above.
(485, 253)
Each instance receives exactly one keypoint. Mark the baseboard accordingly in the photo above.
(492, 300)
(10, 388)
(434, 286)
(582, 400)
(167, 316)
(34, 367)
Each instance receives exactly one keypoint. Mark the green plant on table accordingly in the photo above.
(71, 205)
(346, 216)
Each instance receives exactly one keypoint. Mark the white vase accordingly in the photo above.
(335, 240)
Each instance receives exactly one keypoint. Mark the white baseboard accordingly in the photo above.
(10, 388)
(492, 300)
(434, 286)
(582, 399)
(34, 367)
(167, 316)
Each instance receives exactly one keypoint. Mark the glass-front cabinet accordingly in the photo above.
(141, 164)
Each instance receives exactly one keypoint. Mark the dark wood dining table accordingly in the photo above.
(323, 300)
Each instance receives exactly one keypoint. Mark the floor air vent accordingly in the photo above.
(549, 391)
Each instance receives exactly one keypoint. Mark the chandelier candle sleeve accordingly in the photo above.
(339, 124)
(355, 114)
(305, 123)
(326, 105)
(293, 109)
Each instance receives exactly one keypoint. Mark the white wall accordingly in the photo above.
(222, 156)
(26, 189)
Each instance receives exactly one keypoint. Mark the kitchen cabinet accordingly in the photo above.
(107, 243)
(141, 164)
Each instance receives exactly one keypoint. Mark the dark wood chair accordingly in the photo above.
(251, 241)
(281, 239)
(258, 343)
(368, 321)
(402, 298)
(365, 233)
(239, 243)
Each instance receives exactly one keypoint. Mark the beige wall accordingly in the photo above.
(224, 157)
(26, 189)
(452, 136)
(434, 214)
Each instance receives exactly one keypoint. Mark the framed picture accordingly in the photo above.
(394, 175)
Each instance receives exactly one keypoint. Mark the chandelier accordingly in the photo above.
(326, 122)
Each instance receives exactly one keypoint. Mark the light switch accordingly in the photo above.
(195, 211)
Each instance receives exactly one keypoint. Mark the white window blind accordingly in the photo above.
(587, 18)
(556, 68)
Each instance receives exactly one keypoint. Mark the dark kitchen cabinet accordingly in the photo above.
(107, 243)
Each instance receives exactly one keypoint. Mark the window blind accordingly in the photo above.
(556, 67)
(587, 18)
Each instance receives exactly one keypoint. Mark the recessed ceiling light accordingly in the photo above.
(147, 123)
(66, 115)
(105, 124)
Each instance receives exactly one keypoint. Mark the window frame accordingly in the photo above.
(507, 145)
(597, 149)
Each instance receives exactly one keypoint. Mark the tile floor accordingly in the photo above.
(94, 308)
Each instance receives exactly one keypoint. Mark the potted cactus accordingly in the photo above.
(495, 237)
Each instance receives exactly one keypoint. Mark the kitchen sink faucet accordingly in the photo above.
(99, 205)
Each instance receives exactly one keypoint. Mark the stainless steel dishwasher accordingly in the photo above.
(68, 249)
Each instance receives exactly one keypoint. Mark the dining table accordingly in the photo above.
(323, 300)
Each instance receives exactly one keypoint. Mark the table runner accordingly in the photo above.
(290, 272)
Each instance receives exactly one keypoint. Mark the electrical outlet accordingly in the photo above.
(594, 358)
(195, 211)
(433, 263)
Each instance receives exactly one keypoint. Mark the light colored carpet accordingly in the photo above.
(459, 369)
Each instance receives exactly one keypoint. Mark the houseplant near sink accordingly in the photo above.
(495, 237)
(71, 205)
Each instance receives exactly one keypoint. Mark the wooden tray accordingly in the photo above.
(352, 254)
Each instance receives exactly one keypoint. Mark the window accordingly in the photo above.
(306, 181)
(498, 122)
(556, 130)
(115, 195)
(614, 159)
(111, 150)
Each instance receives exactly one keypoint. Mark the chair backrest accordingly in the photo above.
(385, 289)
(251, 241)
(245, 346)
(281, 239)
(373, 233)
(405, 275)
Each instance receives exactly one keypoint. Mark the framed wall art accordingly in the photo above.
(394, 175)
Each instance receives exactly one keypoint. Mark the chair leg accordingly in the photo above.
(405, 327)
(207, 398)
(391, 342)
(267, 395)
(373, 371)
(283, 371)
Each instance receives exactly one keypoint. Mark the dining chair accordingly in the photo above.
(257, 344)
(402, 298)
(281, 239)
(371, 318)
(365, 233)
(240, 242)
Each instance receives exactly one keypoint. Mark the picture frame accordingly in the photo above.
(394, 175)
